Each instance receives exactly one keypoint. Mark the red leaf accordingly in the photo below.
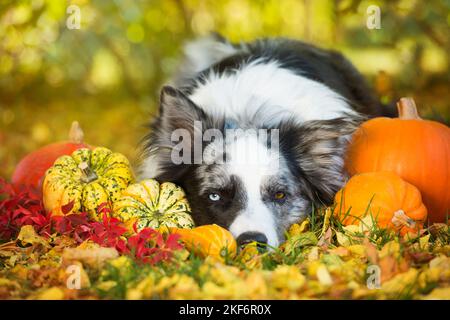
(104, 208)
(19, 207)
(172, 242)
(68, 207)
(149, 246)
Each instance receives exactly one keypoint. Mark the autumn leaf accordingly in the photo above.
(297, 229)
(326, 238)
(299, 241)
(21, 207)
(67, 207)
(28, 235)
(53, 293)
(118, 262)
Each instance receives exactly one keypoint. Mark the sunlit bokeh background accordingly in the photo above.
(108, 73)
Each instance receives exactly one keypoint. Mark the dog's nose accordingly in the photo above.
(248, 237)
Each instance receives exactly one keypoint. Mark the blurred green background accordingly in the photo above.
(107, 74)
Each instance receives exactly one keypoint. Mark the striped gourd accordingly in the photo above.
(87, 178)
(151, 204)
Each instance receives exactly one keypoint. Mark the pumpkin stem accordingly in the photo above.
(407, 109)
(88, 174)
(76, 135)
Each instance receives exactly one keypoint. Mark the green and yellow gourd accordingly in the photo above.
(87, 178)
(151, 204)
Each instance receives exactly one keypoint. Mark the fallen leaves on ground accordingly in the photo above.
(72, 258)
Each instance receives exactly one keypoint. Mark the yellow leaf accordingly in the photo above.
(144, 289)
(250, 256)
(224, 274)
(441, 248)
(440, 261)
(438, 294)
(181, 255)
(326, 221)
(392, 248)
(343, 239)
(429, 276)
(423, 241)
(123, 265)
(323, 275)
(185, 288)
(20, 272)
(366, 223)
(134, 294)
(256, 285)
(357, 249)
(402, 283)
(121, 262)
(210, 290)
(53, 293)
(287, 277)
(8, 283)
(340, 251)
(302, 240)
(304, 226)
(297, 229)
(106, 285)
(313, 254)
(351, 229)
(28, 235)
(312, 268)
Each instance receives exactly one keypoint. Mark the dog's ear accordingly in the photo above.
(318, 148)
(177, 111)
(182, 124)
(169, 148)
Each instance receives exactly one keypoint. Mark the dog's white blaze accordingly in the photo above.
(281, 93)
(256, 217)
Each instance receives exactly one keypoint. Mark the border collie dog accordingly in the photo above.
(256, 132)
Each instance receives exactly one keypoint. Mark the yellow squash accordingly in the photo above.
(151, 204)
(87, 178)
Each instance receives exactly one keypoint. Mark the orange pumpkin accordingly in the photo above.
(31, 169)
(208, 240)
(415, 149)
(392, 202)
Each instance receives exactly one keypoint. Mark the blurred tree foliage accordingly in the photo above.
(108, 73)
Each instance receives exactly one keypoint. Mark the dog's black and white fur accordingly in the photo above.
(314, 97)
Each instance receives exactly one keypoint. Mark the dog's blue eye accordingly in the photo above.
(214, 197)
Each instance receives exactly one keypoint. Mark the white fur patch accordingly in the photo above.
(280, 92)
(149, 168)
(252, 162)
(203, 53)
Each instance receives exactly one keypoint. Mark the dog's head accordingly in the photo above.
(256, 180)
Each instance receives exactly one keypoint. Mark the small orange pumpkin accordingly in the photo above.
(392, 202)
(415, 149)
(208, 240)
